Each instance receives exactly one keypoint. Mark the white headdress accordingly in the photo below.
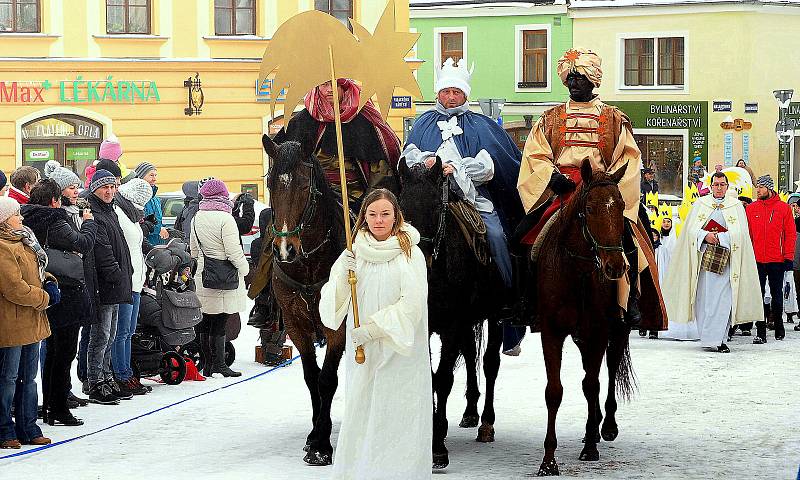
(454, 76)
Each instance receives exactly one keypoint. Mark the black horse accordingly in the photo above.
(460, 292)
(308, 237)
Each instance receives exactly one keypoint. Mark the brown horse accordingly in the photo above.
(308, 237)
(582, 256)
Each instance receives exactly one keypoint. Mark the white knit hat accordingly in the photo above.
(62, 176)
(454, 76)
(8, 207)
(138, 191)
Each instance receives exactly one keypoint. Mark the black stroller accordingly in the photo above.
(168, 313)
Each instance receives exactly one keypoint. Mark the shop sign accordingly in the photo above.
(722, 106)
(81, 153)
(39, 154)
(746, 147)
(751, 107)
(728, 148)
(49, 128)
(264, 91)
(401, 102)
(794, 110)
(79, 90)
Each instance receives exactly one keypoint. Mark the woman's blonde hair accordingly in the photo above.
(382, 194)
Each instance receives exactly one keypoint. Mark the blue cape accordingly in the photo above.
(480, 133)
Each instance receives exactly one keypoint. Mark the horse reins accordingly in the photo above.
(594, 245)
(436, 241)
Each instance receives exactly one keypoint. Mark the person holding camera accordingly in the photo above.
(25, 292)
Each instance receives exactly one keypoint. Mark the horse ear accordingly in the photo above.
(402, 169)
(436, 169)
(616, 177)
(269, 146)
(586, 170)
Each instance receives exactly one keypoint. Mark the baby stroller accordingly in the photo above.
(168, 313)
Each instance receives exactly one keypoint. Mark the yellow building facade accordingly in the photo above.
(92, 69)
(733, 55)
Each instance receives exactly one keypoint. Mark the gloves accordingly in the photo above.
(560, 184)
(366, 333)
(788, 265)
(347, 260)
(148, 224)
(52, 290)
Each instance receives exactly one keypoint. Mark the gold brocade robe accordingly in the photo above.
(567, 134)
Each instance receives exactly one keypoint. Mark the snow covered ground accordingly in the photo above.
(697, 415)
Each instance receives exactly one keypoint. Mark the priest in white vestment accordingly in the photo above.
(387, 429)
(702, 304)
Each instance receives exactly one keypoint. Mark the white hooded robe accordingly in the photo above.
(386, 431)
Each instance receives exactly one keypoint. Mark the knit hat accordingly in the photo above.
(765, 181)
(137, 191)
(214, 188)
(8, 207)
(143, 169)
(110, 167)
(3, 180)
(62, 176)
(454, 76)
(101, 178)
(110, 149)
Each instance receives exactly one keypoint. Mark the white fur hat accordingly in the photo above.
(453, 75)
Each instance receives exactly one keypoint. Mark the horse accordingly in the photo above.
(581, 258)
(308, 237)
(458, 302)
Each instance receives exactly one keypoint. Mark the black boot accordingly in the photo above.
(218, 361)
(633, 317)
(777, 321)
(205, 353)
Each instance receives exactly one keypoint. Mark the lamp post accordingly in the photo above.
(784, 130)
(492, 107)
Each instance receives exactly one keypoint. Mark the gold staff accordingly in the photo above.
(351, 275)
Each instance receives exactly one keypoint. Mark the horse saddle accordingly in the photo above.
(471, 224)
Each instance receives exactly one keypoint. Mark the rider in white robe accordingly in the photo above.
(702, 304)
(386, 431)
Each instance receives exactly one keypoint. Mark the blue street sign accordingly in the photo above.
(264, 91)
(401, 102)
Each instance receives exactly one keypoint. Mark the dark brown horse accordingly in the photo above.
(582, 257)
(308, 237)
(460, 298)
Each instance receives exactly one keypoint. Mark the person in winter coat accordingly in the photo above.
(742, 164)
(773, 233)
(3, 184)
(53, 227)
(25, 292)
(114, 284)
(129, 206)
(214, 234)
(384, 434)
(22, 180)
(191, 203)
(649, 183)
(148, 172)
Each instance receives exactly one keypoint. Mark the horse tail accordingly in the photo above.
(626, 378)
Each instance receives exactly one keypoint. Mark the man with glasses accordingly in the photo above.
(712, 280)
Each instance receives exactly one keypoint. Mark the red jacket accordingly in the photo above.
(772, 230)
(18, 195)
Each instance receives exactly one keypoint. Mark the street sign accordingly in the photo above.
(722, 106)
(401, 101)
(751, 107)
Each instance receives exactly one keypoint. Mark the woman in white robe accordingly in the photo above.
(386, 431)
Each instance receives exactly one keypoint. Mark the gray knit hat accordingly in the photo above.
(8, 207)
(765, 181)
(62, 176)
(137, 191)
(143, 169)
(101, 178)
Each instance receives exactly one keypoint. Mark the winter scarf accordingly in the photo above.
(215, 197)
(366, 247)
(73, 211)
(28, 239)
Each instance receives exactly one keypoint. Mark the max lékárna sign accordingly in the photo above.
(79, 90)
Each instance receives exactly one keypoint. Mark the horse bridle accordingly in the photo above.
(436, 241)
(309, 211)
(594, 245)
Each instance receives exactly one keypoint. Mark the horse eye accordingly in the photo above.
(589, 209)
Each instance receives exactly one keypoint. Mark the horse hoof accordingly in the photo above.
(317, 459)
(440, 461)
(306, 447)
(548, 469)
(610, 433)
(589, 455)
(485, 434)
(469, 421)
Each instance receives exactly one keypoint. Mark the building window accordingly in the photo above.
(451, 46)
(534, 59)
(128, 16)
(664, 154)
(341, 9)
(19, 16)
(642, 61)
(234, 17)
